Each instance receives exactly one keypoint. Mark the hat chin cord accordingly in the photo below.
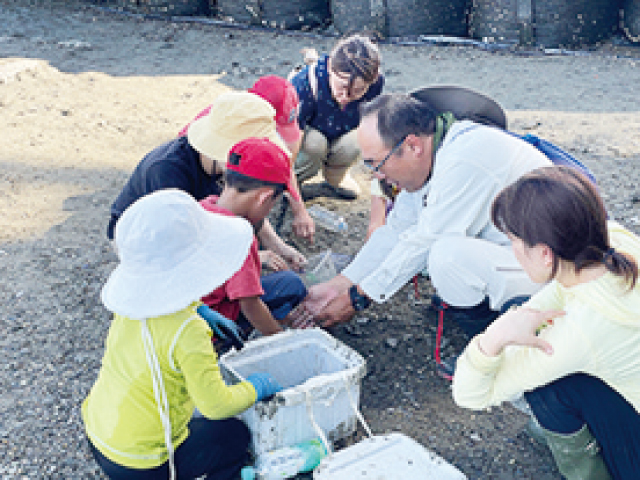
(159, 392)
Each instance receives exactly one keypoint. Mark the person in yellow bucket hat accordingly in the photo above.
(195, 163)
(282, 96)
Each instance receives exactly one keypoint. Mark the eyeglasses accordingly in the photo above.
(368, 162)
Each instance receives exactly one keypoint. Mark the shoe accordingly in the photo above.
(341, 192)
(447, 367)
(472, 320)
(309, 191)
(577, 455)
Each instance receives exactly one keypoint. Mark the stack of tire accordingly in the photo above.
(631, 20)
(166, 7)
(543, 23)
(400, 18)
(285, 14)
(546, 23)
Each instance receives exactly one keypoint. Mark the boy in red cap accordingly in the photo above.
(282, 96)
(257, 173)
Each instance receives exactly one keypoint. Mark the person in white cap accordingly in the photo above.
(195, 163)
(159, 363)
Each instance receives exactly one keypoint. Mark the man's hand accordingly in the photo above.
(303, 225)
(272, 260)
(326, 303)
(517, 326)
(339, 310)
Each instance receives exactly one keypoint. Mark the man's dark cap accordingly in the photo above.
(464, 103)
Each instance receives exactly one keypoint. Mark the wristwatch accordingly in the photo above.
(358, 301)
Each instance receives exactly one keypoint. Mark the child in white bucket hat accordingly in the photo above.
(159, 363)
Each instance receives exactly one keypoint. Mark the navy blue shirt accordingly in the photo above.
(324, 113)
(172, 165)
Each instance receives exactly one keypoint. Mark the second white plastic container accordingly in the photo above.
(390, 457)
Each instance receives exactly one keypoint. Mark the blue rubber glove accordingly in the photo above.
(266, 386)
(222, 326)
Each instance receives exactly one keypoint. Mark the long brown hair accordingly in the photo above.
(559, 207)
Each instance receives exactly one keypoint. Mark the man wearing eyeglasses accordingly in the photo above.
(448, 172)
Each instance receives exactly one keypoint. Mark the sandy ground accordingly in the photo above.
(85, 93)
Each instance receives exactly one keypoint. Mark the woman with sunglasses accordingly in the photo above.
(330, 93)
(574, 347)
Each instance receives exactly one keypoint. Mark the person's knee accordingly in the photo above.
(452, 280)
(344, 152)
(441, 257)
(315, 144)
(241, 433)
(283, 291)
(554, 405)
(292, 284)
(289, 282)
(312, 155)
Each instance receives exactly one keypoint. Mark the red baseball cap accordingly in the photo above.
(262, 159)
(284, 98)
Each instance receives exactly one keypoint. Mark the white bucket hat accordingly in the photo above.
(172, 252)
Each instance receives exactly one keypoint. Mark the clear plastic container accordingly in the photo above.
(328, 219)
(319, 268)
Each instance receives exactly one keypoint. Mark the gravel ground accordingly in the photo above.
(107, 88)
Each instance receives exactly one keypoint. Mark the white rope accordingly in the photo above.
(316, 427)
(352, 402)
(160, 393)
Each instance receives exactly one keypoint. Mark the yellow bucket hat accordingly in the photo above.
(234, 116)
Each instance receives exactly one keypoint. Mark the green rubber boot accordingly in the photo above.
(577, 455)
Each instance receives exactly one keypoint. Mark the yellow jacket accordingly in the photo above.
(121, 414)
(599, 336)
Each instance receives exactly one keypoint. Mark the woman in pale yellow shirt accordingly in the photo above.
(574, 347)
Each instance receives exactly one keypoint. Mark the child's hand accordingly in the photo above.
(265, 385)
(293, 257)
(303, 225)
(310, 55)
(272, 260)
(222, 326)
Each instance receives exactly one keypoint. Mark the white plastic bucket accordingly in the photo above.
(321, 377)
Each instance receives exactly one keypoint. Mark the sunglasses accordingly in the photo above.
(368, 162)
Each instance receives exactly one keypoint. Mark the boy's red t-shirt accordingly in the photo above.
(244, 283)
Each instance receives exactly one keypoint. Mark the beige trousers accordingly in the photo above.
(334, 158)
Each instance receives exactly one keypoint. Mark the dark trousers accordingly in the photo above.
(283, 291)
(565, 405)
(215, 448)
